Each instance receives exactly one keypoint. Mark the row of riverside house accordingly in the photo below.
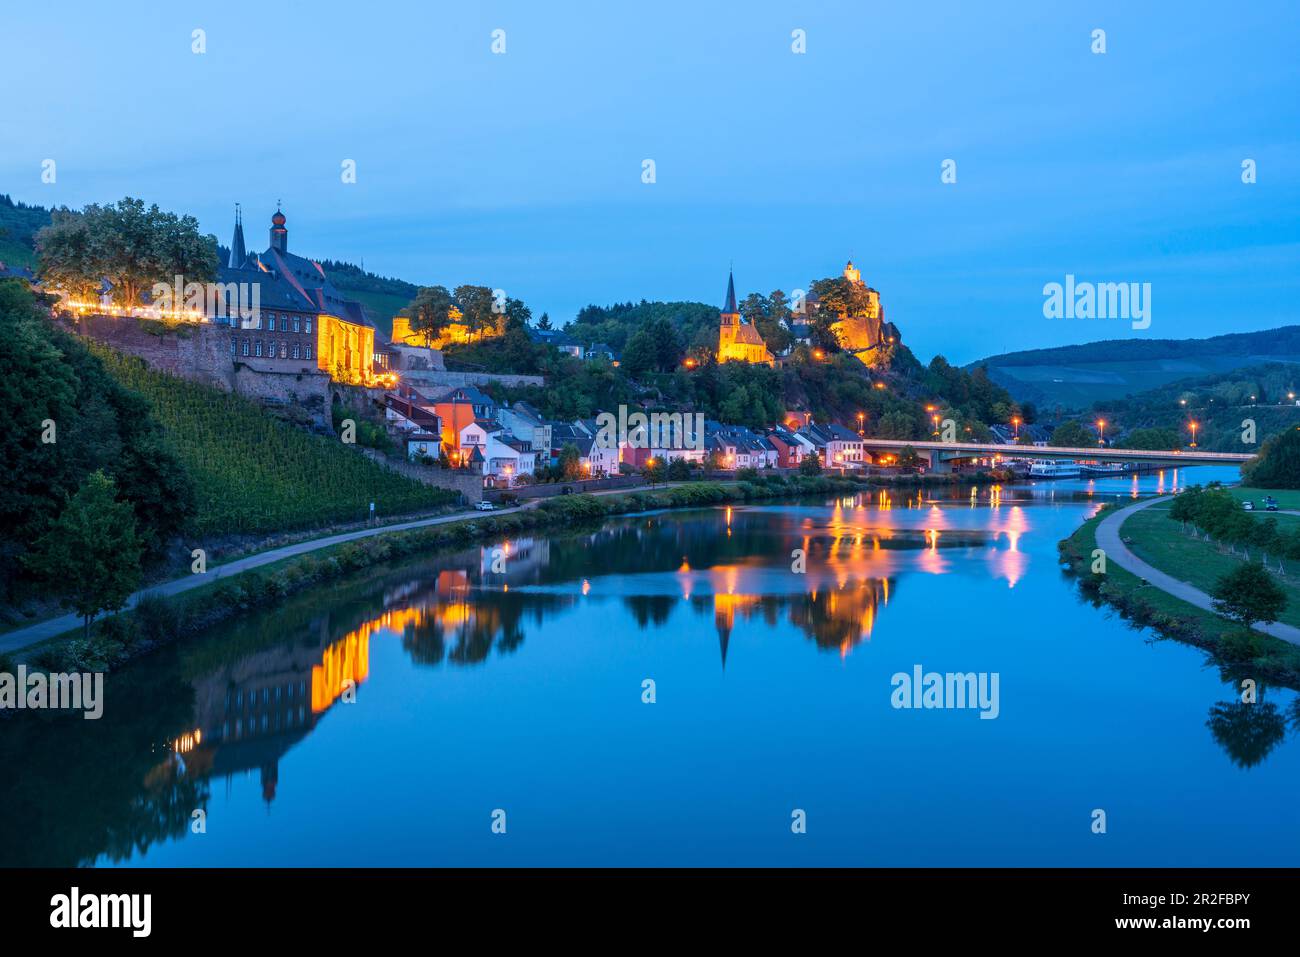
(508, 444)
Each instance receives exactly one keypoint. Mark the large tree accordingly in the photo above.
(1278, 462)
(65, 418)
(476, 307)
(127, 244)
(430, 312)
(90, 557)
(1248, 594)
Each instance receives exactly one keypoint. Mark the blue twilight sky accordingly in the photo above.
(523, 170)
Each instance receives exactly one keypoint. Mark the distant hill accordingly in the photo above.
(1221, 404)
(382, 296)
(18, 225)
(1074, 377)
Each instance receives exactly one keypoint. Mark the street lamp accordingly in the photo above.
(860, 429)
(1101, 431)
(1015, 423)
(1193, 427)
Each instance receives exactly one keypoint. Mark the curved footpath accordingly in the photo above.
(1110, 542)
(30, 635)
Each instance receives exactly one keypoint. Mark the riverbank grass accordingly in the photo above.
(1160, 541)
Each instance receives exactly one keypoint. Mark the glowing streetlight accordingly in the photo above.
(1101, 431)
(1015, 424)
(860, 418)
(1193, 428)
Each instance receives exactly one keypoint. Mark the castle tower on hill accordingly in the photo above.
(863, 330)
(739, 341)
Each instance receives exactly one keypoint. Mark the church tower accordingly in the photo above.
(739, 340)
(729, 321)
(279, 234)
(852, 273)
(237, 251)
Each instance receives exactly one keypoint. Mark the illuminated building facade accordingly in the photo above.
(863, 330)
(304, 323)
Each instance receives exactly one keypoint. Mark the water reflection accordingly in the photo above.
(232, 704)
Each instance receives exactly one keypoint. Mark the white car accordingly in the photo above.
(485, 506)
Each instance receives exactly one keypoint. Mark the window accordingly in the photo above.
(306, 351)
(284, 350)
(297, 350)
(258, 348)
(308, 322)
(297, 323)
(245, 347)
(270, 324)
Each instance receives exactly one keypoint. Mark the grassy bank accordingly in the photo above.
(1230, 648)
(158, 621)
(1160, 541)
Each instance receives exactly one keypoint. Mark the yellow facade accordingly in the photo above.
(345, 349)
(861, 332)
(740, 342)
(454, 333)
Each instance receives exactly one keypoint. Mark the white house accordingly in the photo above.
(499, 456)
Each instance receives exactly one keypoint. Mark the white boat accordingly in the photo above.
(1053, 468)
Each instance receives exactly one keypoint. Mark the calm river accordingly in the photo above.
(393, 718)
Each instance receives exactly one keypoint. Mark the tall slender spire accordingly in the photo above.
(730, 306)
(238, 254)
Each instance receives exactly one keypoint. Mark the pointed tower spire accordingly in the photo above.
(730, 307)
(238, 254)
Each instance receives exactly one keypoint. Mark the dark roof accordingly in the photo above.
(551, 337)
(289, 281)
(730, 304)
(466, 393)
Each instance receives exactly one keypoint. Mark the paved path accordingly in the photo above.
(53, 627)
(1109, 541)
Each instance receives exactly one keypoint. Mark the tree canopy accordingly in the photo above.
(127, 244)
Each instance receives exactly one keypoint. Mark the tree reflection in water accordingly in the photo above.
(235, 701)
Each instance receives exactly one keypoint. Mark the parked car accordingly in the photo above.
(1248, 505)
(1270, 504)
(485, 506)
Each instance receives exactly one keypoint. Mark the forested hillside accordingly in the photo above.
(18, 225)
(1074, 377)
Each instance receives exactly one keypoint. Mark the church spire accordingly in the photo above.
(730, 307)
(238, 254)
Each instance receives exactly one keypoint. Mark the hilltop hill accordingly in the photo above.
(1074, 377)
